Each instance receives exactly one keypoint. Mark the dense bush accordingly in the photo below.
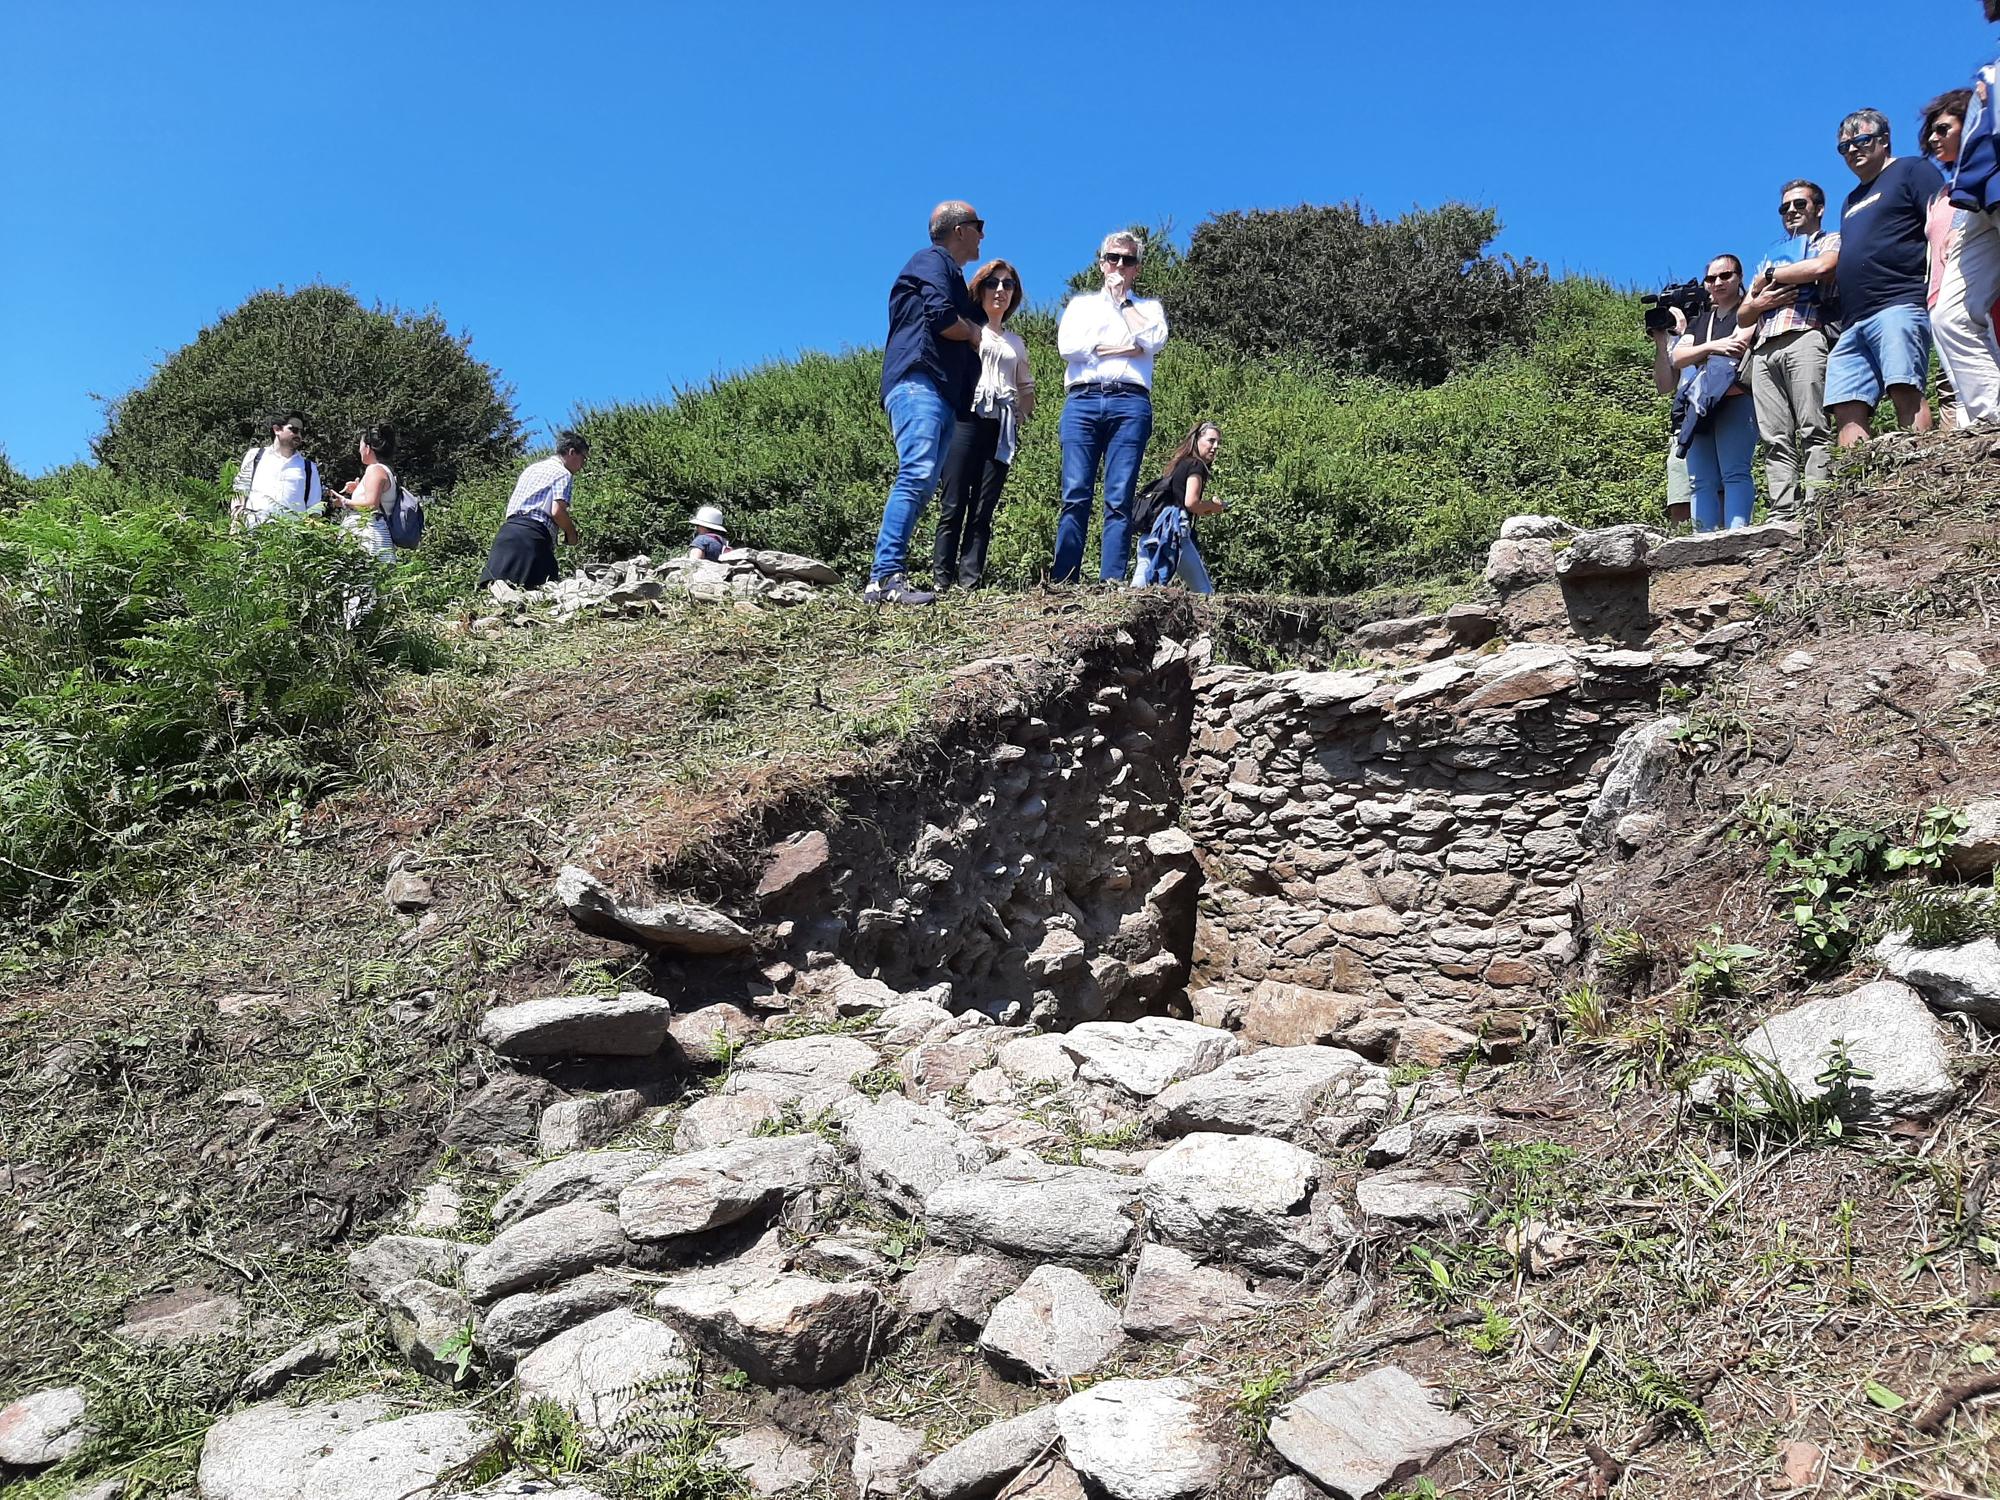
(344, 365)
(1338, 290)
(150, 662)
(14, 485)
(1333, 484)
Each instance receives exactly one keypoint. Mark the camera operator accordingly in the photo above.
(1718, 422)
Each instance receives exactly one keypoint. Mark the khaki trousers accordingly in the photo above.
(1788, 383)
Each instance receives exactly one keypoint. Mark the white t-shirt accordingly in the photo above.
(280, 486)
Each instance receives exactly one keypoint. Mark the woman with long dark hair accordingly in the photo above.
(983, 444)
(1166, 510)
(364, 502)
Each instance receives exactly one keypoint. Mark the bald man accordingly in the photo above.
(929, 369)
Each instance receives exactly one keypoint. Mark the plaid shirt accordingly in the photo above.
(1810, 309)
(538, 489)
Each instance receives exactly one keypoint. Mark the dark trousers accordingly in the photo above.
(967, 496)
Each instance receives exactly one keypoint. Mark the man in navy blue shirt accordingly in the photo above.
(1884, 261)
(929, 370)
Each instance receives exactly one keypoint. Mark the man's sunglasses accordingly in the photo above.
(1120, 258)
(1857, 142)
(1796, 206)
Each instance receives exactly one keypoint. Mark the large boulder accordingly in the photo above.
(405, 1457)
(1038, 1211)
(1244, 1198)
(1965, 977)
(263, 1452)
(680, 926)
(1056, 1326)
(1516, 563)
(1889, 1035)
(1143, 1057)
(1280, 1091)
(615, 1374)
(578, 1178)
(633, 1024)
(1609, 552)
(1357, 1436)
(1140, 1440)
(552, 1246)
(904, 1149)
(705, 1190)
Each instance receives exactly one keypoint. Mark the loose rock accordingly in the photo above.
(393, 1259)
(1360, 1435)
(614, 1374)
(1280, 1091)
(781, 1328)
(885, 1455)
(43, 1428)
(1140, 1440)
(771, 1460)
(1962, 978)
(683, 927)
(515, 1326)
(399, 1458)
(578, 1124)
(1038, 1211)
(977, 1468)
(1412, 1197)
(1142, 1057)
(583, 1177)
(552, 1246)
(704, 1190)
(264, 1452)
(1174, 1296)
(813, 1072)
(431, 1327)
(1055, 1327)
(633, 1024)
(904, 1150)
(1244, 1198)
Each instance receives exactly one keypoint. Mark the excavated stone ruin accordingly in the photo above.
(1101, 996)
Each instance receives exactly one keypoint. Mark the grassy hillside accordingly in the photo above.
(1334, 484)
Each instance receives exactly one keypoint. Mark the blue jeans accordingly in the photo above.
(1719, 466)
(923, 424)
(1107, 430)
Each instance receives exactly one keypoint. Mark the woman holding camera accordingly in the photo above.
(1704, 365)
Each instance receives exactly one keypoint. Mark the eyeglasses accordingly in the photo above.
(1796, 206)
(1719, 276)
(1119, 258)
(1855, 143)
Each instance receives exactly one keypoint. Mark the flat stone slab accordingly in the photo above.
(263, 1452)
(578, 1124)
(552, 1246)
(580, 1177)
(1279, 1092)
(1360, 1435)
(1038, 1211)
(1411, 1196)
(904, 1150)
(1962, 978)
(518, 1325)
(1173, 1295)
(392, 1259)
(1055, 1326)
(1140, 1440)
(813, 1072)
(682, 926)
(1889, 1034)
(771, 1460)
(1708, 547)
(980, 1465)
(705, 1190)
(180, 1317)
(43, 1428)
(1246, 1198)
(611, 1374)
(1143, 1057)
(633, 1024)
(717, 1119)
(885, 1456)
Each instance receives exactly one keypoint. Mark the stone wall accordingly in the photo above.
(1388, 856)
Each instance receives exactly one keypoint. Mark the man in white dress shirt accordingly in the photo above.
(277, 480)
(1108, 339)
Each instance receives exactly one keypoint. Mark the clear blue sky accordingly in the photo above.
(619, 198)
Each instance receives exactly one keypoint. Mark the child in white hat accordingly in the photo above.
(711, 534)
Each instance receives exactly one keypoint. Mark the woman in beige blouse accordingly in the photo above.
(983, 444)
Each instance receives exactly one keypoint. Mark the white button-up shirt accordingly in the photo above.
(1092, 318)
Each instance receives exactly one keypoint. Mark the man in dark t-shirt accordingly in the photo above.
(1886, 345)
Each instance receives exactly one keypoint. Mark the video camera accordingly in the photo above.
(1691, 297)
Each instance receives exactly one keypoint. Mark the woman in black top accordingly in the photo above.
(1165, 513)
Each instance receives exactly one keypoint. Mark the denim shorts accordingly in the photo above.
(1891, 347)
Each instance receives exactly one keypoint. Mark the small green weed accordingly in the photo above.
(1495, 1334)
(1623, 955)
(1717, 967)
(1583, 1013)
(1254, 1400)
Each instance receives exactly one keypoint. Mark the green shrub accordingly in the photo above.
(150, 662)
(1339, 290)
(344, 365)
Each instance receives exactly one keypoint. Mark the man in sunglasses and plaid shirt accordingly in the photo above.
(1789, 304)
